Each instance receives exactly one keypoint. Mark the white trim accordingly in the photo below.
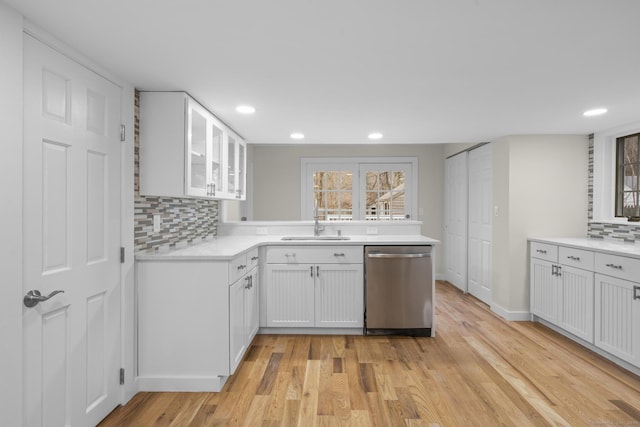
(513, 316)
(182, 383)
(604, 171)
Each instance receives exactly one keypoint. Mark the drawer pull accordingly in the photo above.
(338, 254)
(542, 251)
(240, 267)
(254, 258)
(311, 271)
(574, 258)
(635, 292)
(617, 267)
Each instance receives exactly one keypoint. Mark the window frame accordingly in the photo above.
(620, 166)
(308, 165)
(604, 173)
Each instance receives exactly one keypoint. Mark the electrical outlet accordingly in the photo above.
(496, 211)
(156, 223)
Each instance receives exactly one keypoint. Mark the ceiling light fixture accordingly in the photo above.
(375, 136)
(595, 112)
(245, 109)
(297, 135)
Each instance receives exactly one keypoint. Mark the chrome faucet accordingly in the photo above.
(317, 227)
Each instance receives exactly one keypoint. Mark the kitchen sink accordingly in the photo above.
(316, 238)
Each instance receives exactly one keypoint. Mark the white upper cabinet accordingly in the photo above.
(235, 149)
(186, 151)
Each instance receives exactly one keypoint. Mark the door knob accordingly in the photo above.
(32, 298)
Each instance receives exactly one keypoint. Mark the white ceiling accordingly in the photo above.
(419, 71)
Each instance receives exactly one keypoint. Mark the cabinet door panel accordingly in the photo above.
(544, 290)
(339, 296)
(576, 302)
(251, 312)
(237, 334)
(617, 323)
(289, 292)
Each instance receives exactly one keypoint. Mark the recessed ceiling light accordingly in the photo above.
(297, 135)
(595, 112)
(375, 135)
(245, 109)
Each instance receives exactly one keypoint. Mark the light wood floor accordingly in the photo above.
(479, 371)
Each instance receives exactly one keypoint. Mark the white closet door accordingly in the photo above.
(455, 214)
(480, 202)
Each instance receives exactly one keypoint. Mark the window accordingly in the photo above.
(348, 189)
(627, 171)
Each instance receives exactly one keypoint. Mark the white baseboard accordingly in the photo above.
(514, 316)
(310, 331)
(182, 384)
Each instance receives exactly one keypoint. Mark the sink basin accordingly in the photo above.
(316, 238)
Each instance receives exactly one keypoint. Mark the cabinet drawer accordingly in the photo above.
(314, 255)
(237, 267)
(576, 258)
(618, 266)
(252, 259)
(544, 251)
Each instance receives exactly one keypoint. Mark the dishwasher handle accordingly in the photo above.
(416, 255)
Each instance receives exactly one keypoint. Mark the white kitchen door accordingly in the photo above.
(480, 220)
(71, 240)
(455, 220)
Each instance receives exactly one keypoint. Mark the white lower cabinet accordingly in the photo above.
(562, 294)
(591, 295)
(243, 316)
(327, 293)
(196, 320)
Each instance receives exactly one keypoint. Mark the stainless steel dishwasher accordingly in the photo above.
(398, 290)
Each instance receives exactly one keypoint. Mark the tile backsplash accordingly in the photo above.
(604, 230)
(182, 220)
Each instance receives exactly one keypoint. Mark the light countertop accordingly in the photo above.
(607, 246)
(227, 247)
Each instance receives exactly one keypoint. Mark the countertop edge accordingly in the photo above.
(630, 250)
(211, 249)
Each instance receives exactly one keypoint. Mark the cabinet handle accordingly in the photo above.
(338, 254)
(311, 271)
(542, 251)
(248, 285)
(240, 267)
(553, 270)
(575, 258)
(635, 292)
(559, 271)
(254, 258)
(617, 267)
(318, 271)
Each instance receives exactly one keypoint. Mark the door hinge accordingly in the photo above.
(121, 254)
(121, 376)
(122, 133)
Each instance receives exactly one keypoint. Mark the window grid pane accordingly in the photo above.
(333, 193)
(385, 195)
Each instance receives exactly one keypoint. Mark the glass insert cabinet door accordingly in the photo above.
(197, 150)
(215, 160)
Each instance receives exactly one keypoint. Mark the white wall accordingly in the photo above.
(11, 217)
(276, 182)
(540, 189)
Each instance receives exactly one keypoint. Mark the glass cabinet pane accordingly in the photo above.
(241, 171)
(231, 165)
(198, 133)
(216, 158)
